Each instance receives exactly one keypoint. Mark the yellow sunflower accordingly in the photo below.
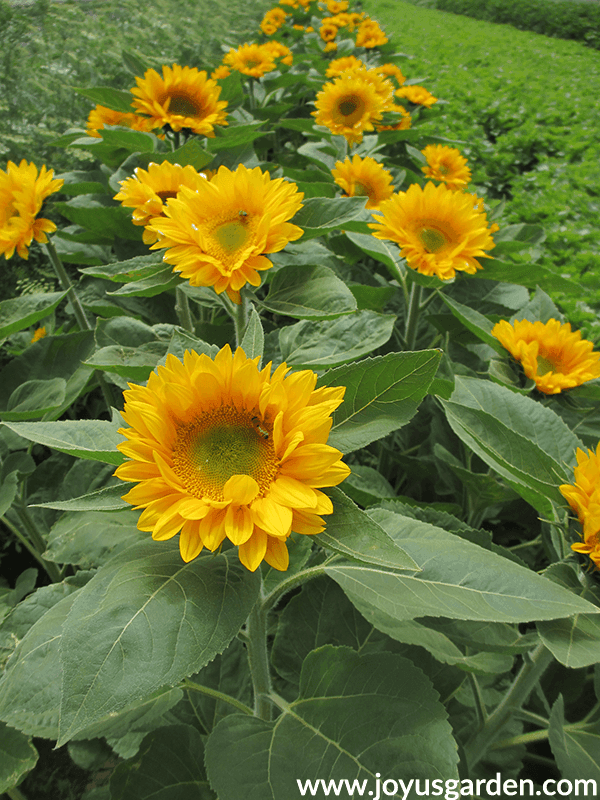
(403, 123)
(183, 98)
(552, 355)
(328, 31)
(220, 449)
(364, 177)
(101, 116)
(148, 191)
(330, 47)
(439, 231)
(584, 498)
(273, 20)
(370, 34)
(38, 334)
(279, 50)
(22, 194)
(447, 165)
(391, 71)
(417, 95)
(220, 72)
(337, 6)
(217, 234)
(339, 65)
(254, 60)
(349, 105)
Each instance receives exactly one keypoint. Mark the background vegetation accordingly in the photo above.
(522, 105)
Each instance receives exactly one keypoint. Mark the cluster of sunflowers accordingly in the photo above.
(218, 227)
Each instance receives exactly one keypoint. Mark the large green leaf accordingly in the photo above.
(575, 641)
(459, 580)
(105, 221)
(169, 766)
(310, 292)
(319, 215)
(525, 274)
(253, 341)
(477, 323)
(18, 756)
(356, 716)
(382, 394)
(86, 438)
(89, 539)
(109, 498)
(134, 363)
(352, 533)
(21, 312)
(147, 620)
(524, 441)
(332, 342)
(577, 751)
(131, 270)
(34, 399)
(107, 96)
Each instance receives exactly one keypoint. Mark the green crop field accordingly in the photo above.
(525, 107)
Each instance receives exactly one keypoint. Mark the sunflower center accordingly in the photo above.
(545, 365)
(361, 190)
(164, 195)
(432, 239)
(348, 106)
(181, 103)
(221, 443)
(231, 235)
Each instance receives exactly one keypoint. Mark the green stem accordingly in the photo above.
(524, 738)
(46, 566)
(15, 794)
(183, 311)
(226, 698)
(65, 282)
(529, 716)
(533, 668)
(271, 600)
(258, 659)
(482, 714)
(412, 320)
(240, 317)
(37, 541)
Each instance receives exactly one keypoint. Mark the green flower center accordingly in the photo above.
(544, 365)
(232, 235)
(184, 105)
(432, 239)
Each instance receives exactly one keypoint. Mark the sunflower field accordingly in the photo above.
(300, 459)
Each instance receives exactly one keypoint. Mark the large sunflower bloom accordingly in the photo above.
(22, 194)
(584, 499)
(148, 191)
(217, 234)
(552, 355)
(183, 97)
(254, 60)
(439, 231)
(447, 165)
(222, 450)
(101, 116)
(349, 105)
(364, 177)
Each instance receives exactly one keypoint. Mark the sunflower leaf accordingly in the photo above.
(19, 313)
(309, 292)
(18, 756)
(253, 341)
(577, 752)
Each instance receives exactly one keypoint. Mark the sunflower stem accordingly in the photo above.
(15, 794)
(37, 541)
(258, 659)
(65, 282)
(292, 582)
(533, 668)
(412, 319)
(182, 309)
(240, 318)
(214, 693)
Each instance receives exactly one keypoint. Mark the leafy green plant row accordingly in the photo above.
(520, 105)
(565, 20)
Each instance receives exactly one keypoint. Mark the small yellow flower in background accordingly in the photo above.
(328, 31)
(101, 116)
(253, 60)
(220, 72)
(418, 95)
(552, 355)
(337, 6)
(370, 34)
(22, 194)
(39, 333)
(220, 449)
(439, 231)
(183, 97)
(364, 177)
(217, 234)
(339, 65)
(349, 106)
(330, 47)
(273, 20)
(403, 124)
(148, 190)
(446, 164)
(584, 498)
(279, 50)
(391, 71)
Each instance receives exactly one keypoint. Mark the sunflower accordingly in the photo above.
(417, 95)
(254, 60)
(273, 20)
(220, 72)
(404, 122)
(328, 31)
(552, 355)
(584, 498)
(183, 97)
(349, 105)
(22, 194)
(370, 34)
(330, 47)
(363, 177)
(148, 191)
(101, 116)
(222, 450)
(339, 65)
(439, 231)
(391, 71)
(279, 50)
(337, 6)
(217, 234)
(38, 334)
(447, 165)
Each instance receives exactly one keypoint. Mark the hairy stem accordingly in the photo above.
(226, 698)
(258, 659)
(412, 320)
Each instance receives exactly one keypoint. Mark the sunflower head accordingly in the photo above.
(447, 165)
(183, 98)
(349, 106)
(364, 177)
(551, 354)
(100, 116)
(370, 35)
(22, 194)
(418, 95)
(217, 234)
(220, 449)
(439, 231)
(584, 498)
(254, 60)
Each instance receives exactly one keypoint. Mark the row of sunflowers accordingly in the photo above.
(284, 288)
